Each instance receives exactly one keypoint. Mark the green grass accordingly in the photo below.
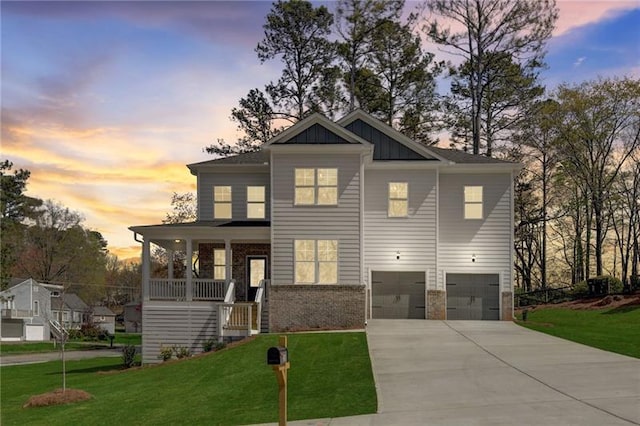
(615, 329)
(33, 347)
(330, 376)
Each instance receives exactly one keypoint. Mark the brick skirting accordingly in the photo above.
(316, 307)
(507, 306)
(436, 305)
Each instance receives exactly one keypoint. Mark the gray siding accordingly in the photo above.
(386, 148)
(414, 236)
(316, 134)
(489, 238)
(168, 324)
(24, 296)
(341, 222)
(238, 183)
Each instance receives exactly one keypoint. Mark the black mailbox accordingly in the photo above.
(277, 355)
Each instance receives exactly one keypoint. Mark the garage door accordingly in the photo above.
(473, 296)
(397, 295)
(11, 328)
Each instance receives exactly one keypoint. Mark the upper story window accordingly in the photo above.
(473, 202)
(316, 261)
(36, 308)
(219, 264)
(398, 199)
(316, 187)
(222, 202)
(255, 202)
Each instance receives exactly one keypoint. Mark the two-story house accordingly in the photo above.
(330, 224)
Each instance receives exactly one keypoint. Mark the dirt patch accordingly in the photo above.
(57, 397)
(611, 301)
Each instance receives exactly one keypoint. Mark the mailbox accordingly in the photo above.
(277, 355)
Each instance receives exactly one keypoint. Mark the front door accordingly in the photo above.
(256, 272)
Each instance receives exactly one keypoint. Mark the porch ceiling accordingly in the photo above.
(174, 236)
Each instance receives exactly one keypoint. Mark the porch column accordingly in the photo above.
(189, 272)
(227, 262)
(170, 254)
(146, 268)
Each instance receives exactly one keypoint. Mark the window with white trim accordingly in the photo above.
(398, 199)
(316, 187)
(36, 308)
(219, 264)
(222, 202)
(255, 202)
(316, 261)
(473, 202)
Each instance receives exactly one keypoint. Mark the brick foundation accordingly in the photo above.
(316, 307)
(507, 306)
(436, 305)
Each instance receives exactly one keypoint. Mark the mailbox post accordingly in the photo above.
(278, 359)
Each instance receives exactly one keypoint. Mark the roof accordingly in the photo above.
(71, 302)
(15, 281)
(211, 224)
(461, 157)
(103, 311)
(257, 157)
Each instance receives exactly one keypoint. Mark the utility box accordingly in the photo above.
(277, 355)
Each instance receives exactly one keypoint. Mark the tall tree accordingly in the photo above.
(184, 208)
(600, 130)
(15, 207)
(501, 45)
(356, 22)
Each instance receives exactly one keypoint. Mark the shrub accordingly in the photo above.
(128, 356)
(165, 353)
(220, 345)
(582, 288)
(207, 345)
(181, 352)
(90, 332)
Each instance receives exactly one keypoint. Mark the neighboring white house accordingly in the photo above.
(104, 318)
(26, 310)
(70, 310)
(330, 224)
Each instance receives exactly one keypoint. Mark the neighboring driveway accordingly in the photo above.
(34, 358)
(493, 373)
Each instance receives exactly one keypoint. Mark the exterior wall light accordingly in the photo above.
(473, 258)
(177, 241)
(398, 255)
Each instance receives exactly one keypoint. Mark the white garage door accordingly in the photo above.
(398, 295)
(473, 296)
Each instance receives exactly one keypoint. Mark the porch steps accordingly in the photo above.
(264, 318)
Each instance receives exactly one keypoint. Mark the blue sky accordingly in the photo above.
(105, 102)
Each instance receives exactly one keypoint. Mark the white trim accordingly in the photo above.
(437, 248)
(404, 165)
(271, 204)
(481, 168)
(319, 148)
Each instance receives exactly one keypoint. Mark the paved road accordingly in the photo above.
(7, 360)
(493, 373)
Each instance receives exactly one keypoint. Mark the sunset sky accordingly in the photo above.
(105, 103)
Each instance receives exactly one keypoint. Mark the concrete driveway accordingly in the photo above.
(493, 373)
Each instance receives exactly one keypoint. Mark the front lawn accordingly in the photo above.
(330, 376)
(614, 329)
(73, 345)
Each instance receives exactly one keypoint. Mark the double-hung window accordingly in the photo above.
(398, 199)
(316, 261)
(316, 187)
(473, 202)
(255, 202)
(219, 264)
(222, 202)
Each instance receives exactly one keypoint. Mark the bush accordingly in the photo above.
(220, 345)
(90, 332)
(582, 288)
(207, 345)
(181, 352)
(165, 353)
(128, 356)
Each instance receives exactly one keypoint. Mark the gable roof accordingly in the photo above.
(71, 302)
(256, 157)
(461, 157)
(103, 311)
(334, 133)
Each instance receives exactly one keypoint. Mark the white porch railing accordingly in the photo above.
(260, 297)
(176, 289)
(16, 313)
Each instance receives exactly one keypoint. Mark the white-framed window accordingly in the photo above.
(222, 202)
(36, 308)
(316, 261)
(316, 187)
(219, 264)
(398, 199)
(255, 202)
(473, 202)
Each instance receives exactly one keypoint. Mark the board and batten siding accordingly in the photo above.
(238, 183)
(291, 222)
(489, 239)
(177, 323)
(413, 236)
